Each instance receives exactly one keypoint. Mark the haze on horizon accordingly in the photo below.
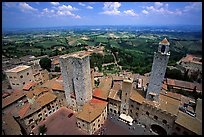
(54, 14)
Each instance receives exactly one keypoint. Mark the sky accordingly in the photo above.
(54, 14)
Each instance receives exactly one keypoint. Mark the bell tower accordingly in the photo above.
(161, 58)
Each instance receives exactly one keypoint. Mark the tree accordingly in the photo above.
(42, 129)
(45, 63)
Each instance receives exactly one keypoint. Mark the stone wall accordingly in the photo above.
(157, 74)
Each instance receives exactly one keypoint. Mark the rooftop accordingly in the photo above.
(10, 126)
(16, 95)
(189, 122)
(36, 92)
(80, 54)
(92, 110)
(103, 89)
(29, 85)
(114, 95)
(192, 58)
(164, 42)
(18, 68)
(137, 96)
(184, 84)
(41, 101)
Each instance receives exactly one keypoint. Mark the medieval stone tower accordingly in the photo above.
(76, 77)
(159, 65)
(126, 90)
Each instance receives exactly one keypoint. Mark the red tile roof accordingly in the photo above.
(23, 110)
(164, 41)
(29, 85)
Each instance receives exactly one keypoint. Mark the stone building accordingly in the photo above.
(159, 65)
(93, 115)
(126, 91)
(42, 103)
(77, 78)
(20, 76)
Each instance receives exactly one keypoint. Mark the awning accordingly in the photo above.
(126, 118)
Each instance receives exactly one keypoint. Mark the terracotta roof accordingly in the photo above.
(164, 41)
(60, 77)
(137, 96)
(29, 85)
(117, 85)
(114, 95)
(164, 86)
(16, 95)
(10, 125)
(55, 61)
(172, 95)
(97, 74)
(23, 110)
(41, 101)
(92, 110)
(103, 89)
(36, 92)
(184, 84)
(192, 58)
(5, 94)
(189, 123)
(58, 86)
(46, 98)
(49, 83)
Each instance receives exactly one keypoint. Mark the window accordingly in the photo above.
(31, 120)
(13, 83)
(136, 114)
(178, 129)
(21, 76)
(164, 121)
(94, 124)
(99, 125)
(132, 106)
(137, 108)
(94, 129)
(27, 73)
(83, 125)
(147, 113)
(10, 77)
(126, 94)
(32, 126)
(155, 117)
(115, 111)
(111, 110)
(23, 83)
(130, 110)
(17, 84)
(98, 120)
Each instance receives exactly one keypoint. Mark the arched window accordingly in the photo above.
(155, 117)
(147, 113)
(163, 48)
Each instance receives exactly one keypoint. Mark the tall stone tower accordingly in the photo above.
(126, 90)
(76, 77)
(159, 65)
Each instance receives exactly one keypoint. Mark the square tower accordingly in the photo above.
(20, 76)
(161, 58)
(77, 77)
(126, 90)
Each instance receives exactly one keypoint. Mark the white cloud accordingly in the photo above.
(55, 3)
(130, 12)
(81, 4)
(158, 4)
(111, 8)
(160, 8)
(145, 12)
(89, 7)
(68, 7)
(66, 11)
(193, 6)
(26, 7)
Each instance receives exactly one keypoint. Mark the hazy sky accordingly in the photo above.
(51, 14)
